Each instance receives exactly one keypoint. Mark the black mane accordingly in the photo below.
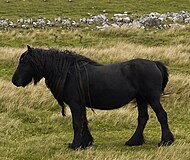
(68, 55)
(54, 66)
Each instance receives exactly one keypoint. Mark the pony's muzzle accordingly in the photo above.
(17, 81)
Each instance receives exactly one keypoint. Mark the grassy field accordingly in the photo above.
(31, 123)
(78, 8)
(33, 128)
(71, 39)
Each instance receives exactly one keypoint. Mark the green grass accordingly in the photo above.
(46, 38)
(78, 8)
(31, 123)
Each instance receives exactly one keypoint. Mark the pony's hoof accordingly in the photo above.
(74, 147)
(85, 145)
(165, 143)
(167, 140)
(134, 143)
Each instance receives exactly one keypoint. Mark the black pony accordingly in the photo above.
(81, 82)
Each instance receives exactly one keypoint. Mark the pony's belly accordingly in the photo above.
(108, 103)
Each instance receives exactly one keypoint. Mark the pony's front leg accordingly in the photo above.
(82, 136)
(87, 138)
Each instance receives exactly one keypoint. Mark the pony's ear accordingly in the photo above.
(29, 48)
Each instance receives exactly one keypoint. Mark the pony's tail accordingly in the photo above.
(164, 72)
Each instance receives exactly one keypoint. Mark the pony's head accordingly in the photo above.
(26, 70)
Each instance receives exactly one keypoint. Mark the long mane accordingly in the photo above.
(55, 66)
(62, 55)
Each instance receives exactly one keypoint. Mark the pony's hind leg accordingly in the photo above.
(137, 138)
(167, 136)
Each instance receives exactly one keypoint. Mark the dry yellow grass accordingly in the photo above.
(119, 52)
(32, 125)
(116, 52)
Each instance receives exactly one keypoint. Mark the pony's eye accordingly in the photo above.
(23, 60)
(23, 57)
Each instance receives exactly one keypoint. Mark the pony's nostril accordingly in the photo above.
(17, 81)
